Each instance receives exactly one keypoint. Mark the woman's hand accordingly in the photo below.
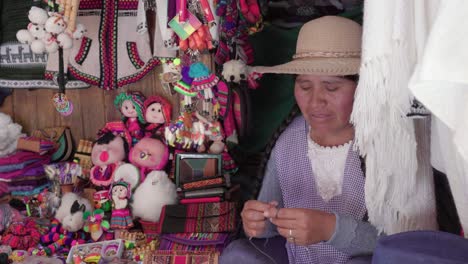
(253, 217)
(302, 226)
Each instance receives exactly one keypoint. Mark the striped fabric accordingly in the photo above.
(296, 178)
(121, 219)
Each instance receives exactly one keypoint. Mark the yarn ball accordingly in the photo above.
(198, 69)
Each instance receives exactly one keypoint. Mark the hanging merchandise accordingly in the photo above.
(197, 30)
(203, 83)
(235, 28)
(113, 33)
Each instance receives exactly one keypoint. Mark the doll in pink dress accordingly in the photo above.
(130, 105)
(157, 112)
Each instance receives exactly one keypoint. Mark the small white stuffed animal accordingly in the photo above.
(149, 198)
(234, 71)
(37, 15)
(38, 31)
(71, 210)
(9, 134)
(80, 30)
(55, 24)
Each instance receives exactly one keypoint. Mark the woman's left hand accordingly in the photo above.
(302, 226)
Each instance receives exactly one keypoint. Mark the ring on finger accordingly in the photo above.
(291, 237)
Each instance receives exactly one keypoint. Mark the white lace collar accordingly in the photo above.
(328, 164)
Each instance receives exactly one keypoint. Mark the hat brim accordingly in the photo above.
(316, 66)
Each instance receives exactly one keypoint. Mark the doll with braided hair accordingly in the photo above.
(130, 105)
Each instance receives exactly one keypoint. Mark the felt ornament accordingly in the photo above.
(183, 87)
(203, 82)
(157, 111)
(149, 154)
(130, 105)
(107, 155)
(95, 224)
(155, 192)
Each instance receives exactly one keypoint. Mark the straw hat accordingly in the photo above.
(329, 45)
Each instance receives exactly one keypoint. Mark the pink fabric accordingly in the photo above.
(19, 157)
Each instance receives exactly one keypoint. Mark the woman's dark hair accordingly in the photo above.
(269, 147)
(354, 78)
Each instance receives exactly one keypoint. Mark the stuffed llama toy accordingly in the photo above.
(9, 134)
(149, 198)
(65, 228)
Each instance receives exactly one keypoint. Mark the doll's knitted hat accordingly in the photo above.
(183, 86)
(137, 99)
(165, 105)
(202, 78)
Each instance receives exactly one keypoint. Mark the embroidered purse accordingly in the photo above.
(60, 135)
(199, 218)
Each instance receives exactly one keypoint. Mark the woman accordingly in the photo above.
(313, 189)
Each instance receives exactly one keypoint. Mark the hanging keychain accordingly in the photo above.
(61, 102)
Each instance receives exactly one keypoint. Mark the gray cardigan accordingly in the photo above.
(353, 237)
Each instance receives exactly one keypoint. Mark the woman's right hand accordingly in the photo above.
(253, 218)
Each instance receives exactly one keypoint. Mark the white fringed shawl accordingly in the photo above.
(440, 82)
(399, 194)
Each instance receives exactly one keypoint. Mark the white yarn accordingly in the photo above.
(440, 82)
(383, 133)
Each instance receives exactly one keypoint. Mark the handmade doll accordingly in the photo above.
(130, 105)
(157, 111)
(120, 195)
(149, 154)
(107, 154)
(126, 179)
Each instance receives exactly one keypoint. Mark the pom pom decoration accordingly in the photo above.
(37, 15)
(48, 31)
(24, 36)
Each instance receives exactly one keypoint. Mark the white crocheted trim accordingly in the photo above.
(328, 164)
